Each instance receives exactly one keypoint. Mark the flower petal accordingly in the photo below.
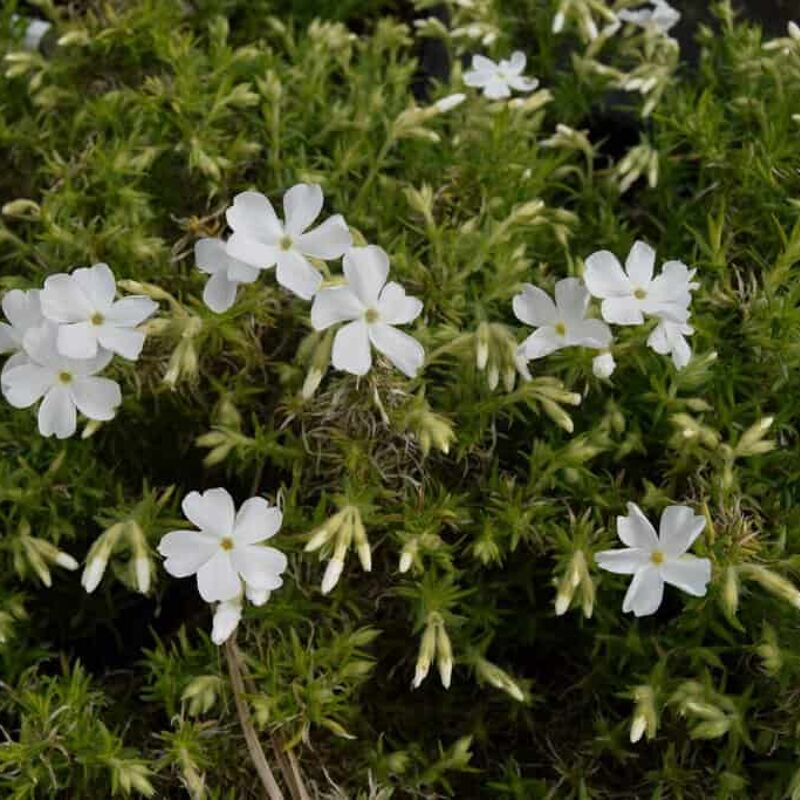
(57, 414)
(522, 84)
(63, 300)
(125, 342)
(589, 333)
(645, 592)
(496, 89)
(533, 306)
(572, 298)
(329, 240)
(261, 567)
(622, 562)
(542, 342)
(517, 62)
(186, 551)
(604, 276)
(217, 580)
(301, 206)
(622, 311)
(477, 78)
(335, 304)
(640, 263)
(210, 255)
(366, 270)
(212, 512)
(351, 351)
(252, 214)
(23, 309)
(252, 251)
(688, 573)
(78, 339)
(404, 351)
(96, 398)
(296, 273)
(635, 530)
(679, 528)
(23, 385)
(98, 285)
(483, 64)
(219, 293)
(396, 307)
(131, 311)
(256, 521)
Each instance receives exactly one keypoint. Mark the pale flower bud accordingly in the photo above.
(444, 659)
(66, 561)
(450, 102)
(93, 573)
(603, 366)
(333, 571)
(226, 620)
(141, 567)
(638, 727)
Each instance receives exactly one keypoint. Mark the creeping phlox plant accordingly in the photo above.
(450, 382)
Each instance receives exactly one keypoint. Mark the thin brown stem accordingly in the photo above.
(271, 787)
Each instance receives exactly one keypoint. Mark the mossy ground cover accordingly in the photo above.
(124, 142)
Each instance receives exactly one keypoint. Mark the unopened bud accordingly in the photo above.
(333, 571)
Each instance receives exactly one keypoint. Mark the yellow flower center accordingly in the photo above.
(371, 315)
(561, 329)
(640, 294)
(286, 243)
(65, 377)
(657, 557)
(97, 318)
(227, 543)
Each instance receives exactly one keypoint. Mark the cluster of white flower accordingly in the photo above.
(655, 559)
(60, 337)
(226, 555)
(654, 15)
(628, 296)
(370, 306)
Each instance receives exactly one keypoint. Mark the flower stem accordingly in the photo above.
(250, 736)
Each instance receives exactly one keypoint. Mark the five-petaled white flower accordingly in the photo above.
(23, 312)
(657, 14)
(631, 294)
(654, 560)
(225, 550)
(66, 384)
(88, 317)
(373, 307)
(668, 338)
(497, 80)
(211, 257)
(260, 239)
(560, 324)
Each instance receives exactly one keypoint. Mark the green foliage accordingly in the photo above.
(480, 498)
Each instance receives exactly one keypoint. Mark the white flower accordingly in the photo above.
(83, 305)
(629, 295)
(497, 80)
(225, 550)
(260, 239)
(374, 308)
(35, 31)
(211, 257)
(603, 366)
(66, 384)
(660, 15)
(23, 312)
(559, 325)
(668, 338)
(654, 560)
